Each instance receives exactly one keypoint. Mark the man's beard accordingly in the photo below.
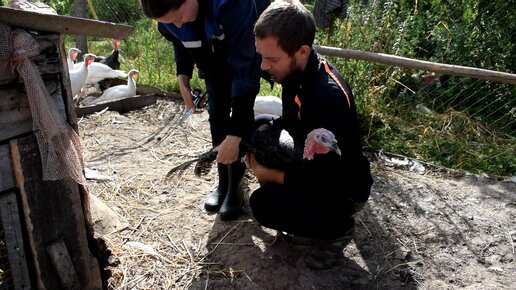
(294, 73)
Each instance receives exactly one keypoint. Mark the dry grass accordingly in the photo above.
(161, 249)
(434, 230)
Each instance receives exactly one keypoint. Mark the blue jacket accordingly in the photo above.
(221, 43)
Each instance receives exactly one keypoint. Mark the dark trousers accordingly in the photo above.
(275, 208)
(219, 107)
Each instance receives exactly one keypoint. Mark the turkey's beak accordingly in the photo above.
(335, 147)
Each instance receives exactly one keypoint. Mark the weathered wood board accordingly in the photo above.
(121, 105)
(63, 265)
(52, 211)
(6, 174)
(63, 24)
(10, 222)
(15, 111)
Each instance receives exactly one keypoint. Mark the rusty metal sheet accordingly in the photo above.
(63, 24)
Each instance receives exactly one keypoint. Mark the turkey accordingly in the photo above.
(99, 71)
(268, 105)
(112, 61)
(273, 148)
(79, 76)
(120, 91)
(72, 56)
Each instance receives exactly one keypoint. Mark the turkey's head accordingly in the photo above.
(73, 52)
(320, 141)
(133, 73)
(116, 44)
(89, 58)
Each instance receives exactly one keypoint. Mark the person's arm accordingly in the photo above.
(186, 91)
(238, 21)
(184, 66)
(262, 173)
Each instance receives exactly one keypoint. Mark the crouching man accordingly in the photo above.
(314, 200)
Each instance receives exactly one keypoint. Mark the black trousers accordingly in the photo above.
(219, 107)
(313, 217)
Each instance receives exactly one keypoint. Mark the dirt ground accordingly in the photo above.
(432, 229)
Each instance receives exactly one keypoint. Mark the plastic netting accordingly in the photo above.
(59, 144)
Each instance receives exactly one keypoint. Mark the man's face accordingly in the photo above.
(186, 13)
(275, 61)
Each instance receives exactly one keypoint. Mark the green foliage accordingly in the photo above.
(471, 122)
(456, 122)
(127, 11)
(62, 7)
(147, 51)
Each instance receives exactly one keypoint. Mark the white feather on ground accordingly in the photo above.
(268, 105)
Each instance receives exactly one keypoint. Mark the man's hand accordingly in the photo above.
(262, 173)
(186, 93)
(228, 150)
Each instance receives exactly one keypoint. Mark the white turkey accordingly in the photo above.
(72, 57)
(120, 91)
(271, 105)
(100, 71)
(273, 148)
(79, 76)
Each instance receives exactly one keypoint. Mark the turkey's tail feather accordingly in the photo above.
(202, 162)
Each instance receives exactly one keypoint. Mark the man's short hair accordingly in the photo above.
(157, 8)
(289, 22)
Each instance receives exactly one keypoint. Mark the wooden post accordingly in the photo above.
(80, 11)
(446, 69)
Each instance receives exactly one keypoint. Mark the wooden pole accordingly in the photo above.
(445, 69)
(80, 11)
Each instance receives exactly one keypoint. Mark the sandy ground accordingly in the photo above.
(432, 229)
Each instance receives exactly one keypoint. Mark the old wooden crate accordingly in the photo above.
(45, 234)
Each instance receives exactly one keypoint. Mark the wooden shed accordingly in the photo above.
(46, 238)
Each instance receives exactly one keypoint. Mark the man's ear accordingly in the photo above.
(304, 51)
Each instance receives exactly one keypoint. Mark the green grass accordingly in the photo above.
(387, 110)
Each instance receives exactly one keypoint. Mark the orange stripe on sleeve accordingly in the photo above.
(298, 102)
(334, 77)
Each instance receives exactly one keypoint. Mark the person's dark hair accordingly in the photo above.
(289, 22)
(157, 8)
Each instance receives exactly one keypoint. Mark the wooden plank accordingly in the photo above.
(15, 114)
(6, 174)
(441, 68)
(63, 24)
(52, 210)
(10, 219)
(122, 105)
(63, 265)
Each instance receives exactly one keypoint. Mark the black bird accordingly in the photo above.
(113, 61)
(273, 148)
